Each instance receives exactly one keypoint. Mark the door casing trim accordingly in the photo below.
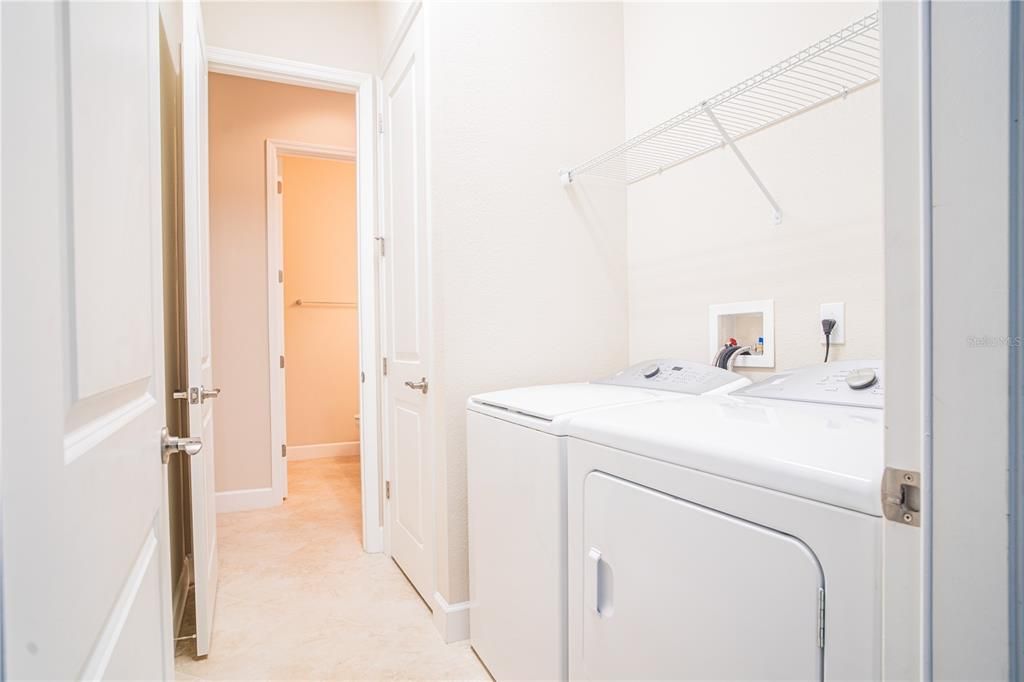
(362, 85)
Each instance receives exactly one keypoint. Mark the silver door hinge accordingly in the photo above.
(380, 240)
(384, 366)
(280, 186)
(282, 362)
(901, 496)
(284, 450)
(280, 276)
(380, 122)
(387, 490)
(821, 617)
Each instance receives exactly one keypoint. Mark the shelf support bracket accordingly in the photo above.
(727, 139)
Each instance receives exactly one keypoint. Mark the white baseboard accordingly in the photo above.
(180, 595)
(297, 453)
(246, 500)
(451, 620)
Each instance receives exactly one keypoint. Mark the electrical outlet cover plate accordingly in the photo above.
(837, 312)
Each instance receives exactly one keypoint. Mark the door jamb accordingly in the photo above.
(262, 67)
(1016, 487)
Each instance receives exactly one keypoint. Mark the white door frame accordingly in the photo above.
(260, 67)
(904, 63)
(949, 343)
(972, 347)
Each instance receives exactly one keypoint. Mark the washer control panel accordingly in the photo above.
(856, 383)
(678, 376)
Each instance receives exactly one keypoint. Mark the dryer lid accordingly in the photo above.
(825, 453)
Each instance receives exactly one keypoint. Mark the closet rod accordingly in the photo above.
(340, 304)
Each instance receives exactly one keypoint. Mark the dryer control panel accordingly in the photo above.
(678, 376)
(855, 383)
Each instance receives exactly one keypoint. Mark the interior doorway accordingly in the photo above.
(315, 393)
(312, 219)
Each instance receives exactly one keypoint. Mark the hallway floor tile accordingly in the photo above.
(299, 599)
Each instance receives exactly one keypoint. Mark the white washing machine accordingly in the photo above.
(517, 507)
(734, 537)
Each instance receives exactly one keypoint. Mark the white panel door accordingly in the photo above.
(86, 563)
(673, 590)
(200, 391)
(407, 309)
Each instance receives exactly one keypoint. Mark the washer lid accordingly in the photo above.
(825, 453)
(549, 404)
(678, 376)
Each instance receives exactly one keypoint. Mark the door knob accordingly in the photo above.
(170, 444)
(196, 395)
(420, 385)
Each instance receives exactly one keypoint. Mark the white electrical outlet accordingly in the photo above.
(837, 312)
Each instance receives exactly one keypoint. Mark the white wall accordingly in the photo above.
(342, 35)
(391, 18)
(530, 278)
(701, 233)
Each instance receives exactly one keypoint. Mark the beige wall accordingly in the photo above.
(342, 35)
(321, 342)
(243, 114)
(529, 277)
(701, 233)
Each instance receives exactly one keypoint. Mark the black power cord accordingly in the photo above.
(827, 325)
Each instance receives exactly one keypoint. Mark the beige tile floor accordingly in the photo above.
(299, 599)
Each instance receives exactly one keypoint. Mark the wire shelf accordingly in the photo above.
(843, 62)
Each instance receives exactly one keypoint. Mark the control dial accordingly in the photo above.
(860, 379)
(650, 371)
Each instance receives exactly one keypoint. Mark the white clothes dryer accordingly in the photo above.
(734, 537)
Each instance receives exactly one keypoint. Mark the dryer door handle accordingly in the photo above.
(601, 577)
